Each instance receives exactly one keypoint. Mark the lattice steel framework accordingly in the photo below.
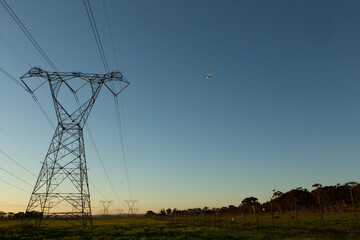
(131, 205)
(62, 183)
(106, 204)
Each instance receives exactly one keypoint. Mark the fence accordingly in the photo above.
(323, 215)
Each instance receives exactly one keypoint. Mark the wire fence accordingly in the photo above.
(321, 214)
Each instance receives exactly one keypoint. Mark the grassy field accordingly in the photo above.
(338, 227)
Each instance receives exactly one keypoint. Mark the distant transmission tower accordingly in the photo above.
(131, 205)
(106, 205)
(119, 211)
(62, 188)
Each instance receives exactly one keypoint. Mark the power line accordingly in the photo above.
(12, 78)
(10, 173)
(28, 34)
(97, 189)
(38, 47)
(15, 141)
(102, 195)
(21, 57)
(111, 37)
(101, 161)
(35, 175)
(103, 58)
(42, 52)
(122, 144)
(116, 102)
(123, 131)
(97, 151)
(14, 186)
(117, 106)
(10, 204)
(32, 94)
(96, 33)
(31, 172)
(43, 112)
(17, 163)
(16, 52)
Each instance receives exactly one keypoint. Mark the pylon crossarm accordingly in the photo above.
(82, 86)
(39, 86)
(122, 89)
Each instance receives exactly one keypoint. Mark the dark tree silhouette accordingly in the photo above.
(168, 211)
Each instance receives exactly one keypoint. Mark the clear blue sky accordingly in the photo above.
(281, 110)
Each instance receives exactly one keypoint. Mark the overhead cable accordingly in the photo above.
(117, 105)
(101, 162)
(96, 33)
(14, 186)
(96, 150)
(38, 47)
(16, 52)
(102, 195)
(32, 94)
(12, 78)
(10, 173)
(17, 163)
(28, 34)
(122, 144)
(11, 204)
(104, 61)
(42, 52)
(111, 37)
(17, 143)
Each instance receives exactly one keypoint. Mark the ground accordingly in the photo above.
(146, 228)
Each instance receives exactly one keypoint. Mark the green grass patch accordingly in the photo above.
(339, 226)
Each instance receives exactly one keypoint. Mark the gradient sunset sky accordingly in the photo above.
(281, 110)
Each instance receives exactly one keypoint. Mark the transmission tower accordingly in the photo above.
(119, 211)
(131, 205)
(62, 188)
(106, 205)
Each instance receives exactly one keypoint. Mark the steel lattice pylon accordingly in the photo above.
(131, 205)
(62, 187)
(106, 205)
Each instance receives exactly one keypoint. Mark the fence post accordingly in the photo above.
(245, 217)
(235, 220)
(322, 216)
(257, 219)
(220, 220)
(227, 221)
(296, 211)
(272, 215)
(272, 218)
(215, 218)
(354, 209)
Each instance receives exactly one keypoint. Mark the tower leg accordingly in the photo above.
(62, 183)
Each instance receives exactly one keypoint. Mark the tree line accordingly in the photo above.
(329, 199)
(20, 215)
